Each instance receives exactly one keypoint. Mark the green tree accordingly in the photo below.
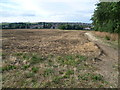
(106, 17)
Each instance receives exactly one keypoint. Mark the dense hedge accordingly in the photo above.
(107, 17)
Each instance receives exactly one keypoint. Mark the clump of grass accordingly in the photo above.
(107, 37)
(19, 54)
(35, 69)
(48, 72)
(68, 73)
(85, 77)
(97, 77)
(25, 56)
(89, 76)
(57, 79)
(81, 58)
(9, 67)
(68, 60)
(25, 67)
(29, 75)
(61, 72)
(36, 59)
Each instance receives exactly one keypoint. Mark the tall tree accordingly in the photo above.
(106, 17)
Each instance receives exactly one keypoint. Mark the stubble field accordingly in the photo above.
(49, 58)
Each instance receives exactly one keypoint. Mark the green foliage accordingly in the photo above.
(48, 72)
(36, 59)
(97, 77)
(25, 67)
(9, 67)
(57, 79)
(68, 73)
(72, 60)
(81, 58)
(35, 69)
(89, 76)
(71, 27)
(106, 17)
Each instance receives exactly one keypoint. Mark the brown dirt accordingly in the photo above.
(48, 42)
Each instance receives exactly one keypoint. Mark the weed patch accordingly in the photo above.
(57, 79)
(89, 76)
(9, 67)
(25, 67)
(48, 72)
(35, 69)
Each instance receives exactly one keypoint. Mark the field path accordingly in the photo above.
(109, 60)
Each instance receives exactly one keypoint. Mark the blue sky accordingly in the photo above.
(47, 10)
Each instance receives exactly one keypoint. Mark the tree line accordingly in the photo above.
(71, 27)
(106, 17)
(44, 25)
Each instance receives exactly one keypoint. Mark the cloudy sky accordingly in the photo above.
(46, 10)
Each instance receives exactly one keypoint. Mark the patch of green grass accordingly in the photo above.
(36, 59)
(0, 69)
(48, 72)
(84, 77)
(3, 54)
(72, 60)
(9, 67)
(68, 73)
(19, 54)
(97, 77)
(69, 57)
(61, 72)
(57, 79)
(25, 67)
(26, 57)
(81, 58)
(89, 76)
(33, 58)
(35, 69)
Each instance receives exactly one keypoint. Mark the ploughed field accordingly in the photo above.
(38, 58)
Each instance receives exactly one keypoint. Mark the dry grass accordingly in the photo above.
(113, 37)
(49, 58)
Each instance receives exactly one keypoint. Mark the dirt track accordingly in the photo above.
(60, 42)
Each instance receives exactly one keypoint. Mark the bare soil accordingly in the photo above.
(101, 59)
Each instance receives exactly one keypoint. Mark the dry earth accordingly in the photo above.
(59, 43)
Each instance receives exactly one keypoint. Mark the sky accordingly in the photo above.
(47, 10)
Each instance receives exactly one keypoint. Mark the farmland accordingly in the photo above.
(39, 58)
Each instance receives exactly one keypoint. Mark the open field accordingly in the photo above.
(54, 58)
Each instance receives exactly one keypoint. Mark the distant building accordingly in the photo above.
(87, 28)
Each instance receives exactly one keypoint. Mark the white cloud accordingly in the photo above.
(47, 10)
